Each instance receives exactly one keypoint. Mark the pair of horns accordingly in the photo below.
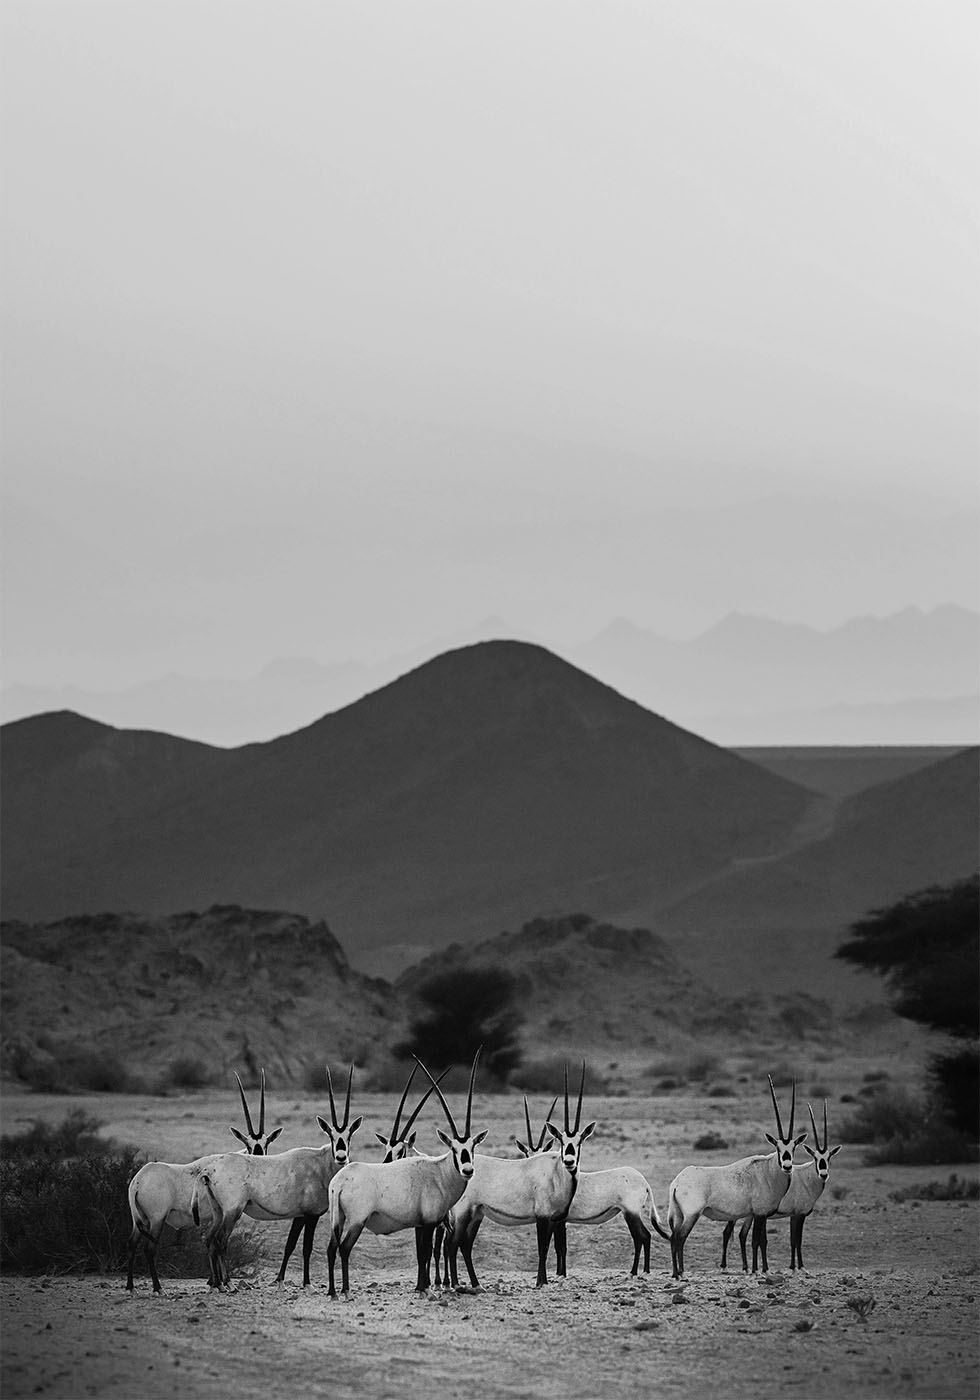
(816, 1136)
(785, 1137)
(536, 1147)
(333, 1107)
(248, 1117)
(460, 1137)
(578, 1109)
(397, 1136)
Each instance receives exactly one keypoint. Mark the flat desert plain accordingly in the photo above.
(886, 1306)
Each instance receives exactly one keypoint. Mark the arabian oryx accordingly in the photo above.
(599, 1196)
(290, 1186)
(534, 1190)
(805, 1190)
(413, 1193)
(751, 1186)
(162, 1192)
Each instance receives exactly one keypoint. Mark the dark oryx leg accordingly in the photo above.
(342, 1247)
(726, 1236)
(150, 1249)
(295, 1226)
(641, 1238)
(561, 1249)
(796, 1223)
(466, 1242)
(423, 1250)
(760, 1241)
(545, 1229)
(677, 1237)
(310, 1223)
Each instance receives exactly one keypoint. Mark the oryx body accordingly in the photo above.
(751, 1186)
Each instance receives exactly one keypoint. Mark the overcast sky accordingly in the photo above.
(332, 328)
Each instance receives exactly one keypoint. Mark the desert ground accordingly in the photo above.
(886, 1306)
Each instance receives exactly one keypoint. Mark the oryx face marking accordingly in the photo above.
(819, 1152)
(569, 1139)
(785, 1144)
(340, 1134)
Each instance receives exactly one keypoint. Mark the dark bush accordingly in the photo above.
(460, 1011)
(904, 1131)
(187, 1072)
(953, 1189)
(69, 1071)
(710, 1142)
(957, 1079)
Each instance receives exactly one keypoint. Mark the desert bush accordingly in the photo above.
(710, 1142)
(547, 1076)
(188, 1072)
(954, 1188)
(683, 1069)
(903, 1130)
(64, 1206)
(956, 1076)
(462, 1010)
(68, 1071)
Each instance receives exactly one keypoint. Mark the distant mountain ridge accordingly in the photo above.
(909, 678)
(490, 784)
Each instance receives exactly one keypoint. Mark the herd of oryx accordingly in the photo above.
(445, 1198)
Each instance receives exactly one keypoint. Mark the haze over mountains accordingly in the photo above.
(909, 678)
(492, 785)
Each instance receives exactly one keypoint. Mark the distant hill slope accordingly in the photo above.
(787, 913)
(492, 783)
(230, 989)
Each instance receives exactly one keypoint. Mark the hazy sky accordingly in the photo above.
(331, 328)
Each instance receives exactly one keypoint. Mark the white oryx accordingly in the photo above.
(340, 1135)
(290, 1186)
(162, 1192)
(751, 1186)
(804, 1192)
(600, 1196)
(534, 1190)
(412, 1193)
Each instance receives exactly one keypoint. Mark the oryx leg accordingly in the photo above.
(310, 1223)
(561, 1249)
(342, 1247)
(467, 1238)
(295, 1226)
(760, 1240)
(678, 1235)
(796, 1241)
(545, 1229)
(641, 1238)
(423, 1250)
(150, 1248)
(726, 1236)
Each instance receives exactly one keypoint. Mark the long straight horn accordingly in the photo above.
(792, 1110)
(421, 1103)
(350, 1080)
(568, 1126)
(442, 1098)
(398, 1110)
(248, 1116)
(826, 1139)
(544, 1127)
(816, 1135)
(262, 1103)
(527, 1120)
(779, 1121)
(333, 1106)
(469, 1093)
(578, 1106)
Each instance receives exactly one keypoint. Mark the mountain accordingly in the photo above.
(226, 989)
(772, 917)
(493, 783)
(909, 678)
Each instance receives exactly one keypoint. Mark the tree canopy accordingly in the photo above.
(927, 947)
(462, 1010)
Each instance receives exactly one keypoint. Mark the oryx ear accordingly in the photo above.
(354, 1127)
(480, 1136)
(443, 1136)
(327, 1127)
(272, 1137)
(522, 1148)
(410, 1140)
(240, 1136)
(798, 1140)
(834, 1151)
(383, 1140)
(770, 1138)
(555, 1132)
(809, 1149)
(587, 1131)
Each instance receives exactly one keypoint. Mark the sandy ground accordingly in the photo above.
(596, 1333)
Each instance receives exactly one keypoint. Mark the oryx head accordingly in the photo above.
(400, 1142)
(821, 1157)
(786, 1143)
(532, 1148)
(255, 1143)
(340, 1134)
(570, 1139)
(463, 1144)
